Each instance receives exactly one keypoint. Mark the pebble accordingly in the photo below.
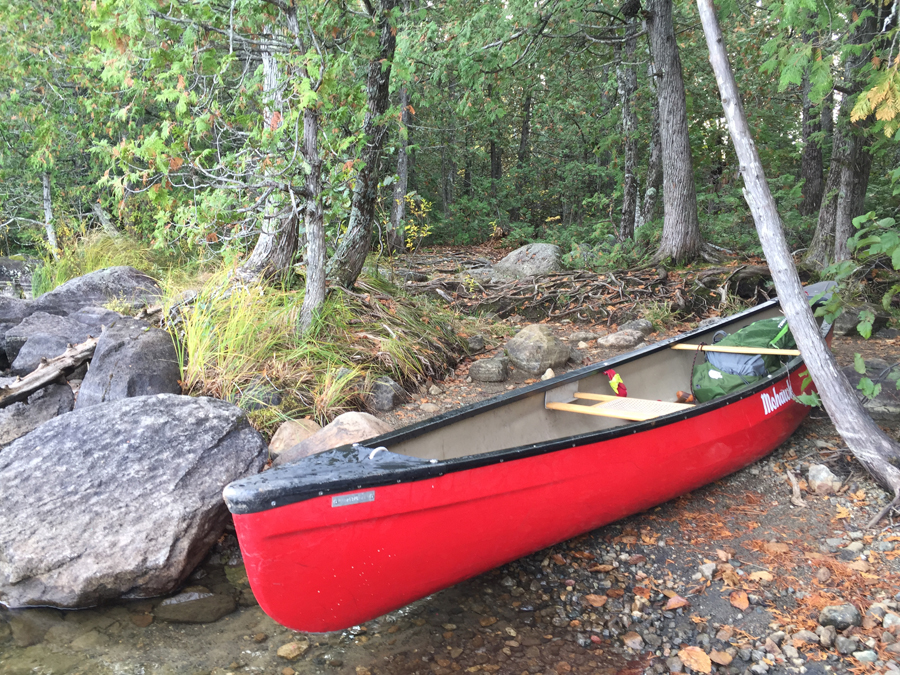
(846, 645)
(435, 390)
(428, 407)
(674, 664)
(708, 570)
(548, 374)
(840, 616)
(633, 640)
(293, 650)
(826, 634)
(823, 574)
(855, 546)
(867, 656)
(890, 620)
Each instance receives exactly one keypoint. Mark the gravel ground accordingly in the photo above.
(732, 578)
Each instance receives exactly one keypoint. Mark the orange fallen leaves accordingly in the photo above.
(675, 602)
(695, 659)
(722, 658)
(596, 600)
(739, 599)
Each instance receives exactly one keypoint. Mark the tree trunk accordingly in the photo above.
(273, 254)
(681, 228)
(515, 213)
(627, 76)
(654, 174)
(347, 262)
(314, 220)
(398, 205)
(871, 446)
(811, 170)
(48, 216)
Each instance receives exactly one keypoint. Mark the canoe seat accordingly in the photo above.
(634, 409)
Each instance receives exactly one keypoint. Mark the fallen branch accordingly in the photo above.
(47, 373)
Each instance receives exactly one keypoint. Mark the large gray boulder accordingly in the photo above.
(131, 359)
(18, 419)
(118, 499)
(123, 284)
(847, 322)
(350, 427)
(42, 323)
(529, 261)
(535, 348)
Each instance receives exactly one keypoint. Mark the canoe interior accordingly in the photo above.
(657, 375)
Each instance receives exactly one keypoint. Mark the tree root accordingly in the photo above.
(886, 510)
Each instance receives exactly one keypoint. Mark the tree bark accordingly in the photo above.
(105, 220)
(515, 214)
(654, 174)
(48, 216)
(398, 205)
(276, 246)
(314, 220)
(627, 76)
(347, 262)
(871, 446)
(681, 228)
(811, 163)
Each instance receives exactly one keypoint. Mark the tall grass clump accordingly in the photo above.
(240, 343)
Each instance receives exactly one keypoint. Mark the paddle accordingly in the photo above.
(738, 350)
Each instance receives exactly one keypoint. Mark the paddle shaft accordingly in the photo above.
(737, 350)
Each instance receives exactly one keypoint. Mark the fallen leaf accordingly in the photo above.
(842, 512)
(777, 547)
(695, 659)
(669, 593)
(600, 568)
(642, 591)
(722, 658)
(761, 575)
(615, 592)
(558, 559)
(724, 556)
(675, 602)
(731, 578)
(596, 600)
(739, 599)
(859, 566)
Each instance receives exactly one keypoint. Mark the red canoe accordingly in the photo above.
(349, 534)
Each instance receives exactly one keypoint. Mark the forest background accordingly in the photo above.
(285, 140)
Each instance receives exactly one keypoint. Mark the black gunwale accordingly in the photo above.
(289, 484)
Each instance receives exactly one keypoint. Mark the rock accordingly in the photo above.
(290, 434)
(866, 656)
(195, 604)
(826, 634)
(582, 336)
(846, 645)
(823, 574)
(642, 326)
(98, 317)
(633, 641)
(385, 395)
(293, 650)
(582, 345)
(37, 348)
(548, 375)
(475, 343)
(708, 570)
(855, 547)
(847, 322)
(15, 276)
(351, 427)
(123, 284)
(28, 627)
(885, 406)
(42, 323)
(435, 390)
(624, 339)
(528, 261)
(806, 636)
(840, 616)
(535, 348)
(674, 664)
(131, 359)
(19, 419)
(490, 370)
(127, 498)
(890, 620)
(821, 480)
(429, 407)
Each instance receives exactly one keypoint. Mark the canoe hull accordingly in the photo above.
(331, 562)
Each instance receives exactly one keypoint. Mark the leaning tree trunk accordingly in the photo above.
(347, 261)
(871, 446)
(48, 216)
(627, 76)
(395, 238)
(276, 246)
(681, 228)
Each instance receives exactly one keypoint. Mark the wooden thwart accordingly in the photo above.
(633, 409)
(737, 350)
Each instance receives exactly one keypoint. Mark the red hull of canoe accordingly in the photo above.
(315, 568)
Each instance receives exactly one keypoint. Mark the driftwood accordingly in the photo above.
(47, 373)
